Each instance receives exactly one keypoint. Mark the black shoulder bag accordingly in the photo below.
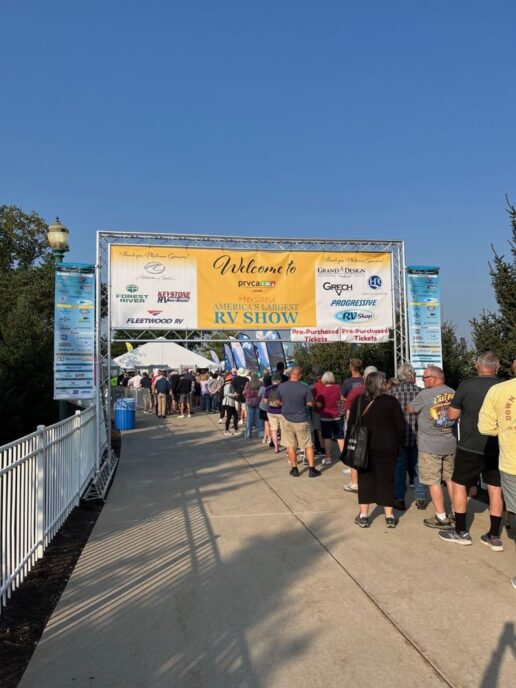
(355, 452)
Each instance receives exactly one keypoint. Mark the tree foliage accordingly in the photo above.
(26, 324)
(335, 358)
(496, 331)
(457, 359)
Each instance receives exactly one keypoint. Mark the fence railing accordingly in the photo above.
(42, 478)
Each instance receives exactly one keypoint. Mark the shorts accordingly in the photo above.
(469, 466)
(263, 415)
(333, 429)
(275, 421)
(316, 420)
(509, 490)
(296, 434)
(185, 398)
(435, 467)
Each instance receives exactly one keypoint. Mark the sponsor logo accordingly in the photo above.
(149, 321)
(256, 283)
(338, 288)
(154, 313)
(174, 296)
(154, 268)
(354, 316)
(131, 295)
(354, 303)
(375, 282)
(341, 272)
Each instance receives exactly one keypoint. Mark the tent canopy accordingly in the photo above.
(162, 354)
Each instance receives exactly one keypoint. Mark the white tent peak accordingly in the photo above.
(162, 353)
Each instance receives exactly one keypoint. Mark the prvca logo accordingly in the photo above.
(337, 288)
(354, 316)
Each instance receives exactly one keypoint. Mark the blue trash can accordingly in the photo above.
(125, 414)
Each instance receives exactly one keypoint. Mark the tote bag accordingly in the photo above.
(355, 452)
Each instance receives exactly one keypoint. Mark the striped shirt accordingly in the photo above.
(405, 392)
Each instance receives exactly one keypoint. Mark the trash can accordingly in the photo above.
(125, 414)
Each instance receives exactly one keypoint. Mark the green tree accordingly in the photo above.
(497, 331)
(335, 357)
(26, 324)
(457, 360)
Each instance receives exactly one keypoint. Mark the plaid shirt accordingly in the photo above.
(405, 393)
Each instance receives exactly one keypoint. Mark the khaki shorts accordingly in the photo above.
(435, 467)
(275, 421)
(296, 434)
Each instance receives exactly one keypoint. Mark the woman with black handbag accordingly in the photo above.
(381, 416)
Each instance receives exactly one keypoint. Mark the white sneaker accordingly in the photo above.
(189, 415)
(181, 416)
(350, 488)
(228, 433)
(346, 471)
(221, 420)
(326, 460)
(237, 432)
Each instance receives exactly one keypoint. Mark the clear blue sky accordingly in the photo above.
(374, 118)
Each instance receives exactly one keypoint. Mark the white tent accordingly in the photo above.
(162, 354)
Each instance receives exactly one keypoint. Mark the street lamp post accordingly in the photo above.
(58, 236)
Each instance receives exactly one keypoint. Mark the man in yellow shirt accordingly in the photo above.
(497, 417)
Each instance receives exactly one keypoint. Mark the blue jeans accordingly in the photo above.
(253, 418)
(206, 402)
(408, 458)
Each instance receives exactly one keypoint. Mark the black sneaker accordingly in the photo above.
(294, 472)
(391, 521)
(362, 522)
(313, 472)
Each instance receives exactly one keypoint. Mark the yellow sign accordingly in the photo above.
(155, 287)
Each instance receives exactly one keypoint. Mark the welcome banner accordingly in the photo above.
(160, 288)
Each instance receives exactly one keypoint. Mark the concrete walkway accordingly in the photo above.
(210, 567)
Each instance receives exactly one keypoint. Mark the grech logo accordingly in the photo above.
(375, 282)
(354, 316)
(337, 288)
(154, 268)
(132, 288)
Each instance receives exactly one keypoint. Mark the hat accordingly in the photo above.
(241, 371)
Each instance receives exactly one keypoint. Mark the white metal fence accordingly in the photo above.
(42, 478)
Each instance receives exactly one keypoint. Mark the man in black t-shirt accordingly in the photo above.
(476, 454)
(184, 388)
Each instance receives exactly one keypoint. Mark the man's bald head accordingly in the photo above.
(295, 373)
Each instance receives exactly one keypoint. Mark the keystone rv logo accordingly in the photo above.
(337, 288)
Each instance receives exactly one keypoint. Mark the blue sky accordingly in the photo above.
(368, 119)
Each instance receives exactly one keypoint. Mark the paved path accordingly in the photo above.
(210, 567)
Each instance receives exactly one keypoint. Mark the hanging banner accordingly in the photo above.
(153, 287)
(325, 335)
(424, 317)
(251, 359)
(229, 361)
(74, 332)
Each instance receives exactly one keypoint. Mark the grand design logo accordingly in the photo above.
(354, 316)
(337, 288)
(341, 272)
(154, 268)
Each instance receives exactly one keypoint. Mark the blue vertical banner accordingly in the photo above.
(424, 317)
(251, 359)
(74, 331)
(228, 357)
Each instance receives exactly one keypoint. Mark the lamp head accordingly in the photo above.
(58, 236)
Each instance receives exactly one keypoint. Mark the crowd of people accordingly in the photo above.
(426, 439)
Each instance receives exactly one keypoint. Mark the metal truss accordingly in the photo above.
(105, 335)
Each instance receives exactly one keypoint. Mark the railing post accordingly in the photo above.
(40, 490)
(78, 463)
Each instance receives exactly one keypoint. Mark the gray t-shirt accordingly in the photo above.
(294, 396)
(434, 430)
